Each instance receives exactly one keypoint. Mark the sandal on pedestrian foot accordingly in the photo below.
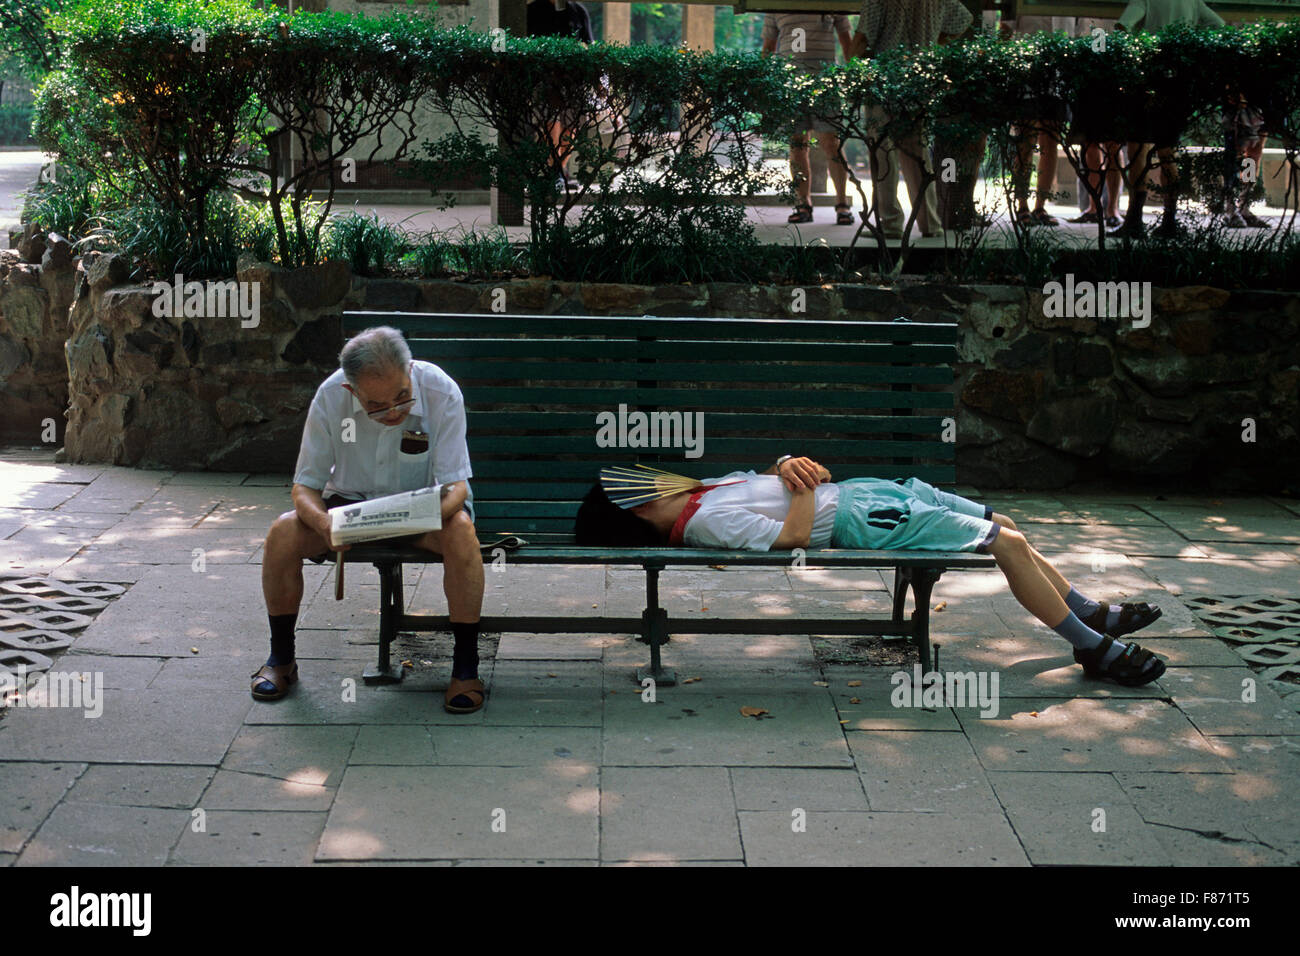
(279, 683)
(1253, 221)
(1044, 218)
(1133, 668)
(1132, 617)
(1086, 217)
(843, 214)
(463, 690)
(802, 213)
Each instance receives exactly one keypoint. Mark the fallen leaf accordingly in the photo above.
(1033, 713)
(751, 711)
(718, 567)
(855, 700)
(854, 683)
(194, 650)
(552, 675)
(820, 683)
(407, 664)
(843, 721)
(595, 605)
(704, 609)
(692, 680)
(941, 605)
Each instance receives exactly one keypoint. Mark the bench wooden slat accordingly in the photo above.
(445, 349)
(423, 325)
(553, 396)
(468, 370)
(729, 422)
(588, 468)
(830, 448)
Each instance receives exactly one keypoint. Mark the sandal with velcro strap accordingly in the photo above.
(1132, 617)
(1133, 668)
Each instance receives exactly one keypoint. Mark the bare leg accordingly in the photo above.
(462, 566)
(287, 543)
(1031, 587)
(1053, 576)
(1046, 169)
(830, 144)
(801, 169)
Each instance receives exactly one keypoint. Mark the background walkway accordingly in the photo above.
(184, 768)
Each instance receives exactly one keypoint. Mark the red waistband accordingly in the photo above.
(677, 535)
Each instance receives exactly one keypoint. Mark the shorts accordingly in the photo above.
(909, 515)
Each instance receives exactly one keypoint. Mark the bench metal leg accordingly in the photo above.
(654, 631)
(902, 578)
(923, 581)
(391, 603)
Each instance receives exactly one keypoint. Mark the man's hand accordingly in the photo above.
(803, 473)
(322, 526)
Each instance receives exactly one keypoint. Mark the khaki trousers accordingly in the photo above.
(885, 162)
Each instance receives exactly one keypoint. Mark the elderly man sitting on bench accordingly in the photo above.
(794, 504)
(381, 424)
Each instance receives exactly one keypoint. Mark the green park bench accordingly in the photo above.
(865, 398)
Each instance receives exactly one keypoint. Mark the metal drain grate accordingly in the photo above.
(1264, 630)
(38, 616)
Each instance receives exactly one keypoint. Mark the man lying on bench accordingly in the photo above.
(794, 504)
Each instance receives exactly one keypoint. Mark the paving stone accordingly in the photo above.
(874, 709)
(839, 579)
(835, 604)
(1218, 819)
(916, 771)
(232, 790)
(881, 839)
(533, 863)
(1235, 551)
(554, 647)
(252, 838)
(1104, 513)
(384, 813)
(1192, 652)
(1040, 673)
(1055, 815)
(692, 726)
(780, 788)
(759, 660)
(28, 792)
(119, 673)
(680, 602)
(335, 645)
(760, 605)
(192, 726)
(1088, 734)
(92, 834)
(724, 578)
(211, 668)
(132, 627)
(667, 814)
(314, 756)
(1236, 525)
(1123, 539)
(1039, 509)
(37, 518)
(577, 748)
(396, 746)
(524, 694)
(35, 559)
(141, 785)
(206, 479)
(523, 589)
(172, 545)
(8, 859)
(38, 494)
(1221, 576)
(1211, 697)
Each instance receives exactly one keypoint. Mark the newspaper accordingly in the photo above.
(407, 512)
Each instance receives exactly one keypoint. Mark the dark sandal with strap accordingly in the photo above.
(1132, 617)
(802, 213)
(462, 689)
(843, 214)
(1133, 668)
(280, 683)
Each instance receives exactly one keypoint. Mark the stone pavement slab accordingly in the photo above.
(1077, 819)
(141, 785)
(119, 673)
(874, 709)
(388, 745)
(543, 694)
(28, 792)
(1218, 576)
(785, 789)
(881, 839)
(189, 726)
(668, 814)
(92, 834)
(315, 756)
(695, 726)
(233, 790)
(1089, 735)
(1211, 697)
(447, 813)
(921, 772)
(251, 838)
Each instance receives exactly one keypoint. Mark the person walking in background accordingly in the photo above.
(1041, 132)
(885, 25)
(544, 20)
(809, 40)
(1151, 16)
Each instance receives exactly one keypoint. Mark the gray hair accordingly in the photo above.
(376, 349)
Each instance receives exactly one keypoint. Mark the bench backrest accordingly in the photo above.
(865, 398)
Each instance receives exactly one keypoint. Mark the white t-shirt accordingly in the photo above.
(373, 464)
(749, 515)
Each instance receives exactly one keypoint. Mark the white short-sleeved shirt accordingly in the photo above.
(749, 515)
(373, 464)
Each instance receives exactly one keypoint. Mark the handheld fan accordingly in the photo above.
(629, 486)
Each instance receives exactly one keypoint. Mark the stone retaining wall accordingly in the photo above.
(1042, 402)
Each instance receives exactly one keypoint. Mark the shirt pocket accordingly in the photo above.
(413, 460)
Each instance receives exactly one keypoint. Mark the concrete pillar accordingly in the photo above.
(697, 26)
(618, 23)
(506, 205)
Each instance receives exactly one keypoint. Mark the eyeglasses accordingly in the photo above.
(385, 412)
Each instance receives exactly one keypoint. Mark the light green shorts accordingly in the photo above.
(880, 515)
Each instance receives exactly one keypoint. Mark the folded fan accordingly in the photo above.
(630, 486)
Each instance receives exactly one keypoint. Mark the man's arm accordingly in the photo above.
(804, 472)
(310, 506)
(797, 530)
(453, 499)
(846, 41)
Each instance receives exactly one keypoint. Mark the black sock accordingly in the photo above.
(281, 638)
(464, 657)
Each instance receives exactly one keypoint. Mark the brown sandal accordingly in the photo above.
(267, 675)
(468, 688)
